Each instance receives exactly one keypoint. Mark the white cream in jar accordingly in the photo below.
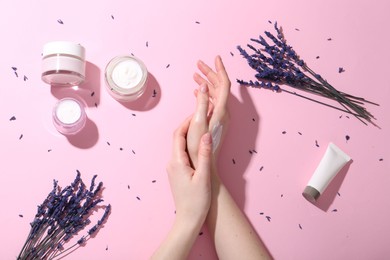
(69, 116)
(126, 78)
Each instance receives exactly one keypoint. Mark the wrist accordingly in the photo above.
(189, 224)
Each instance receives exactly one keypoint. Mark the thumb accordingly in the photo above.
(205, 156)
(201, 110)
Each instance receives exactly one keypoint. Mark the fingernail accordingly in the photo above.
(203, 88)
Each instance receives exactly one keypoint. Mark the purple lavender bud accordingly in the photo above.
(77, 179)
(92, 183)
(98, 189)
(92, 230)
(67, 237)
(81, 240)
(276, 88)
(301, 63)
(105, 215)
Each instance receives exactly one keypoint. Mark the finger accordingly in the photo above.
(220, 68)
(200, 80)
(202, 105)
(224, 85)
(204, 157)
(179, 142)
(208, 72)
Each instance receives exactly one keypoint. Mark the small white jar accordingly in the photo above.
(126, 78)
(63, 63)
(69, 116)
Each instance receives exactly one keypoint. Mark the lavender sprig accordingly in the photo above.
(60, 217)
(276, 63)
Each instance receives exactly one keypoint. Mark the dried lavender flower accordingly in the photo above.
(276, 63)
(61, 216)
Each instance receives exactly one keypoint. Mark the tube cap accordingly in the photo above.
(311, 194)
(64, 47)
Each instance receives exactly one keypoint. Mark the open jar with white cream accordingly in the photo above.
(126, 78)
(69, 116)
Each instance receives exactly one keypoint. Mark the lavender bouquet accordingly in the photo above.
(277, 63)
(60, 217)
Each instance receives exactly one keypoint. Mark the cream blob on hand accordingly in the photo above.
(331, 163)
(69, 116)
(63, 63)
(126, 78)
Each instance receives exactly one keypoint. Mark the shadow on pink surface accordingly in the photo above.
(239, 144)
(329, 195)
(87, 137)
(149, 98)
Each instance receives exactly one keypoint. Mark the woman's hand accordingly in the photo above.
(211, 112)
(191, 188)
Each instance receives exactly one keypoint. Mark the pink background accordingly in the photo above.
(351, 220)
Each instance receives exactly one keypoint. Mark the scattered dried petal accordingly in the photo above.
(334, 210)
(317, 144)
(197, 22)
(284, 132)
(381, 159)
(12, 118)
(92, 93)
(167, 66)
(234, 162)
(300, 226)
(347, 138)
(25, 78)
(21, 136)
(60, 21)
(341, 70)
(232, 54)
(20, 215)
(261, 168)
(268, 218)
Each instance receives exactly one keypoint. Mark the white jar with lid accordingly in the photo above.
(63, 63)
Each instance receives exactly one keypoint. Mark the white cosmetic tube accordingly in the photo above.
(331, 163)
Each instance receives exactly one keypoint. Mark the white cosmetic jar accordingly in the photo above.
(69, 116)
(126, 78)
(63, 63)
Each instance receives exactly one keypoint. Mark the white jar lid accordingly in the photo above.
(63, 47)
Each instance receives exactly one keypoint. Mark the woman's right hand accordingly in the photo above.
(211, 112)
